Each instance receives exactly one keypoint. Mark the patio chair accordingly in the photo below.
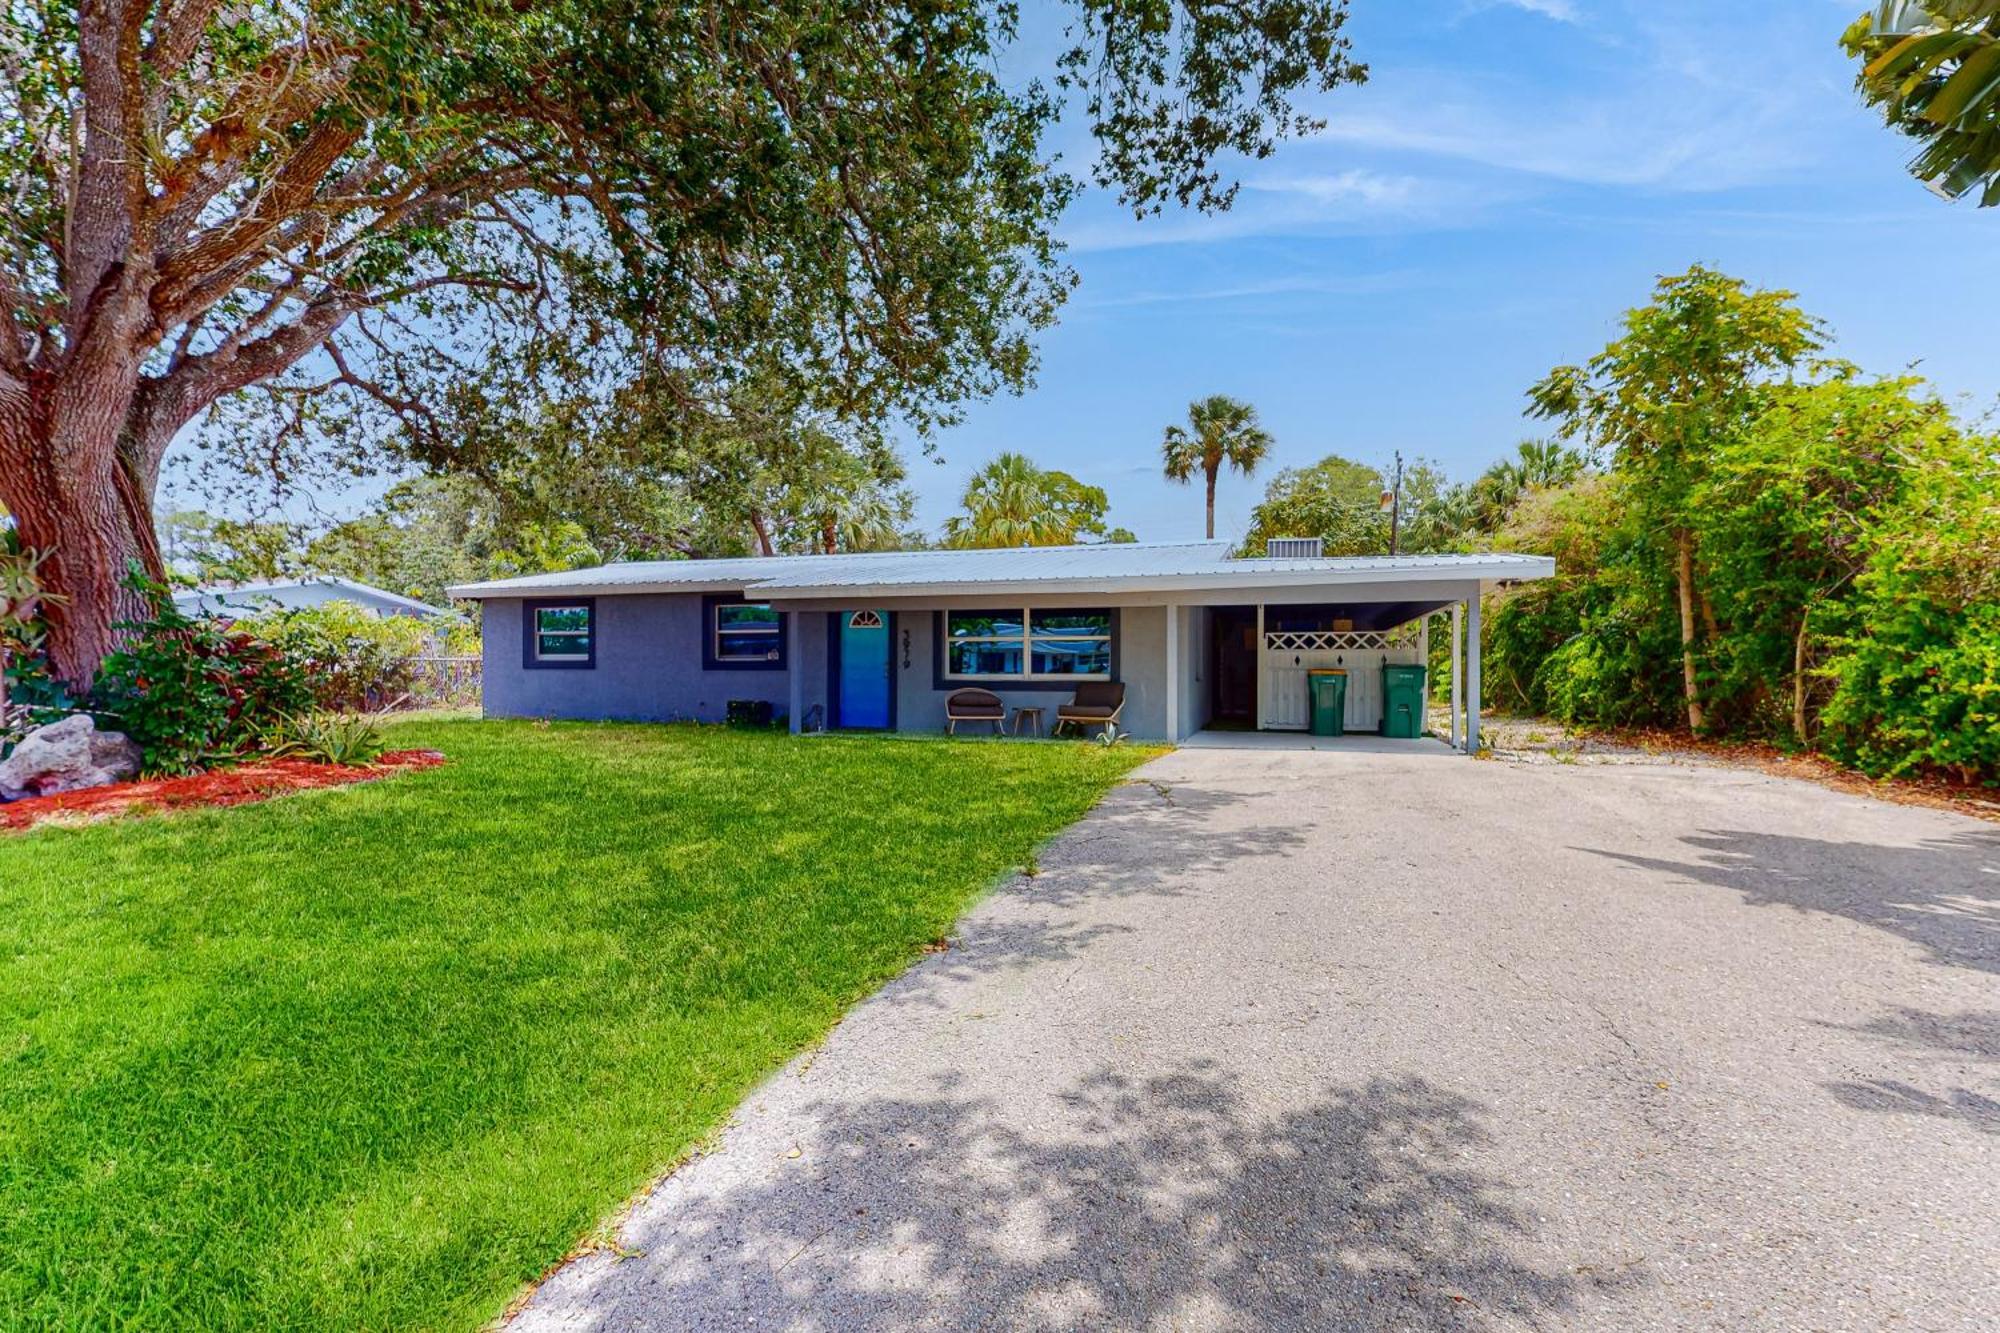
(974, 706)
(1097, 704)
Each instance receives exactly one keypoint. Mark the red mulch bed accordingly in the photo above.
(224, 786)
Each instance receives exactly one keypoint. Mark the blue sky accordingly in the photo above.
(1511, 178)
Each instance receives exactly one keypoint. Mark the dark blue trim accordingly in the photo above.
(709, 661)
(530, 662)
(940, 681)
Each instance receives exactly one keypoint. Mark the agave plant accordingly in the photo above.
(326, 738)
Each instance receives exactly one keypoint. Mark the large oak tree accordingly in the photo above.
(351, 202)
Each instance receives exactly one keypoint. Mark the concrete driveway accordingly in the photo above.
(1389, 1039)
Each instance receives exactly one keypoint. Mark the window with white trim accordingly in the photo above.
(562, 633)
(1028, 645)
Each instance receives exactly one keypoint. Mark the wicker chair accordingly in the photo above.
(1097, 704)
(974, 706)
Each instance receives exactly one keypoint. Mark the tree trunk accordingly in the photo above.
(829, 535)
(1211, 504)
(1684, 578)
(762, 528)
(93, 521)
(1799, 681)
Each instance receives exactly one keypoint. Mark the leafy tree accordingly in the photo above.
(1688, 374)
(1932, 67)
(1011, 502)
(1221, 432)
(763, 463)
(1782, 521)
(380, 213)
(1336, 499)
(212, 549)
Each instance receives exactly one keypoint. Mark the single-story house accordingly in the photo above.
(1198, 637)
(295, 594)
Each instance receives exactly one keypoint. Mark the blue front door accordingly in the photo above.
(864, 669)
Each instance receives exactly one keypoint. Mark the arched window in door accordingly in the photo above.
(865, 620)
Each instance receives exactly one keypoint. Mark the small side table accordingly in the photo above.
(1028, 717)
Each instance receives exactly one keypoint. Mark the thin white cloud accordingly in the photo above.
(1559, 11)
(1367, 188)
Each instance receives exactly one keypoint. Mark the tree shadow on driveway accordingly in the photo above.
(1954, 1041)
(1943, 895)
(1161, 1202)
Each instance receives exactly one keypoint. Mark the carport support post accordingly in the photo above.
(1173, 673)
(793, 655)
(1424, 656)
(1472, 674)
(1457, 673)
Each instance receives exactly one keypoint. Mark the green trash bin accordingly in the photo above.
(1327, 692)
(1402, 700)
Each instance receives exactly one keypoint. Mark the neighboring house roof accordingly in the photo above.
(1105, 567)
(295, 593)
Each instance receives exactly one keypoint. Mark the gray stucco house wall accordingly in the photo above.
(647, 668)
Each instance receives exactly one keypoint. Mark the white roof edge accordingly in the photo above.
(503, 588)
(1250, 572)
(1512, 567)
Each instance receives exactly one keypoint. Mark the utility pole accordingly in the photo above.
(1396, 505)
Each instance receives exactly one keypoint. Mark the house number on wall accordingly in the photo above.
(906, 648)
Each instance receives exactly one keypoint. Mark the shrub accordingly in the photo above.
(352, 661)
(325, 738)
(1916, 658)
(194, 691)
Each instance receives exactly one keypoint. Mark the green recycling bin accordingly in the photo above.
(1327, 692)
(1402, 700)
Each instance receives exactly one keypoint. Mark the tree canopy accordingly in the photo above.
(1012, 502)
(1689, 372)
(382, 214)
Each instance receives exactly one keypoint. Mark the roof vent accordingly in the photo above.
(1292, 548)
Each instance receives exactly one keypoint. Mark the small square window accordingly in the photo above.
(561, 634)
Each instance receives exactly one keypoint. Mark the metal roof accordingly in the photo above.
(1135, 566)
(272, 590)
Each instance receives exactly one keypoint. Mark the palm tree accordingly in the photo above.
(1011, 502)
(1536, 465)
(1220, 430)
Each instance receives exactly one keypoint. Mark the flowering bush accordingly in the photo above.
(194, 692)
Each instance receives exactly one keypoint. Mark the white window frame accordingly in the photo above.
(589, 628)
(776, 632)
(1026, 638)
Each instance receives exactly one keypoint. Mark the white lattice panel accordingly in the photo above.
(1314, 641)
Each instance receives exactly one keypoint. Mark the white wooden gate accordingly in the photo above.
(1286, 656)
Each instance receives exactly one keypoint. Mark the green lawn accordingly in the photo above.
(373, 1057)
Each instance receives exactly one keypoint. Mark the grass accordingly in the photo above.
(373, 1057)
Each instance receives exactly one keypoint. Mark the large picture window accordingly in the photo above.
(1028, 645)
(743, 636)
(561, 634)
